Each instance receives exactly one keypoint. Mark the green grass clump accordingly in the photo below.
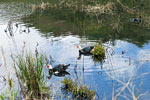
(79, 92)
(29, 71)
(3, 96)
(98, 52)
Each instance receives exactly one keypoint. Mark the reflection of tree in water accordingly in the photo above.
(124, 87)
(127, 87)
(13, 27)
(55, 23)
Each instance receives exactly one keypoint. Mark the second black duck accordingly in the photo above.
(58, 68)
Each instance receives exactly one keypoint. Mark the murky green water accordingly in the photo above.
(58, 33)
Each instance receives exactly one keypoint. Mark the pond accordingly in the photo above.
(128, 52)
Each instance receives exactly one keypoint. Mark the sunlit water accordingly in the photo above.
(119, 65)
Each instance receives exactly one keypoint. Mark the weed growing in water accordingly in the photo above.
(78, 92)
(3, 96)
(98, 52)
(13, 93)
(29, 71)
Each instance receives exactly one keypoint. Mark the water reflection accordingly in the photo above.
(49, 23)
(59, 38)
(60, 74)
(117, 65)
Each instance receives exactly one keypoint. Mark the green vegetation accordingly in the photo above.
(106, 19)
(109, 20)
(12, 91)
(3, 96)
(98, 52)
(13, 94)
(29, 71)
(78, 91)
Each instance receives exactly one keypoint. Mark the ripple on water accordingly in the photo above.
(63, 50)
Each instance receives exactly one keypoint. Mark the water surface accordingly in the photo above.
(58, 37)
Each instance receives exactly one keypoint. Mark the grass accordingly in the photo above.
(29, 71)
(98, 52)
(13, 93)
(10, 94)
(78, 92)
(3, 96)
(77, 6)
(103, 13)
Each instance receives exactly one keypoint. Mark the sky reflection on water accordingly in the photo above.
(63, 50)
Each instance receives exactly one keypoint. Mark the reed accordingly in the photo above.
(3, 96)
(29, 71)
(10, 94)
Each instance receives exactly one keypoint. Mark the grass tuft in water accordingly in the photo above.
(98, 52)
(29, 71)
(13, 94)
(3, 96)
(78, 92)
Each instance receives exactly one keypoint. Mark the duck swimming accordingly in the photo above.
(85, 50)
(137, 19)
(57, 69)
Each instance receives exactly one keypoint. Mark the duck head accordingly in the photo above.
(79, 47)
(49, 67)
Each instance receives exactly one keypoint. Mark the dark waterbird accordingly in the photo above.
(138, 19)
(85, 51)
(58, 70)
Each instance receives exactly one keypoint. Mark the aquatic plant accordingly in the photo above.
(3, 96)
(29, 71)
(78, 91)
(98, 52)
(12, 94)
